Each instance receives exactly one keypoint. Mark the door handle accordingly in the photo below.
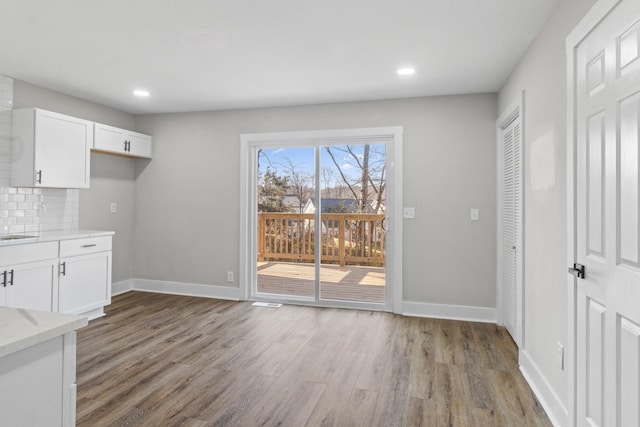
(11, 274)
(63, 268)
(39, 177)
(577, 270)
(4, 279)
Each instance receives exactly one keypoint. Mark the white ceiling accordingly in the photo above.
(222, 54)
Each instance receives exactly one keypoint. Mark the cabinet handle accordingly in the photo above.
(89, 246)
(129, 146)
(125, 146)
(11, 274)
(39, 177)
(4, 278)
(63, 268)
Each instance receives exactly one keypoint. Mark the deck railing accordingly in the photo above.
(345, 238)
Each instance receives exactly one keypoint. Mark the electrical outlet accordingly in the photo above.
(560, 356)
(409, 213)
(113, 207)
(230, 276)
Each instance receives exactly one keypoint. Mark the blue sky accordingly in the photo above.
(303, 159)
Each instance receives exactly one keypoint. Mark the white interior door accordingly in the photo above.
(606, 94)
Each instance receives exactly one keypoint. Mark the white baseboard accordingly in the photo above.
(121, 287)
(556, 410)
(176, 288)
(417, 309)
(453, 312)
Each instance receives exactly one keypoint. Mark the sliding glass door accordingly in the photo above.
(321, 217)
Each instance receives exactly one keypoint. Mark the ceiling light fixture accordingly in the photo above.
(406, 71)
(141, 93)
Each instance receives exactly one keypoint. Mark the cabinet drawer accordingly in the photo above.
(29, 252)
(84, 246)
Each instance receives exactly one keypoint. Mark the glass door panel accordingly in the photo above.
(286, 222)
(352, 217)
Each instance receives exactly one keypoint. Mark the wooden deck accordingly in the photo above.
(349, 283)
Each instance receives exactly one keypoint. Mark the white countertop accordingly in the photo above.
(20, 329)
(49, 236)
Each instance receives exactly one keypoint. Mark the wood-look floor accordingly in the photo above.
(162, 360)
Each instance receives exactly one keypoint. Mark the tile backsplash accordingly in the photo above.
(29, 209)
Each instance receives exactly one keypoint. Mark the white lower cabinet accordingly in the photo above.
(30, 286)
(38, 384)
(70, 276)
(85, 283)
(85, 276)
(29, 276)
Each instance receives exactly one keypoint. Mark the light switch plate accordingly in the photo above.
(475, 214)
(409, 213)
(113, 207)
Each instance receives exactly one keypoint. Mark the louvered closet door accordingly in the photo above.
(511, 228)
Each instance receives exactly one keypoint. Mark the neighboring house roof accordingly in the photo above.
(291, 200)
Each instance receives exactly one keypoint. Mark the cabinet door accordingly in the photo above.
(32, 386)
(109, 138)
(62, 150)
(32, 286)
(85, 282)
(139, 144)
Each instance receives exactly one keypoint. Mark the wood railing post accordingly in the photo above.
(341, 246)
(261, 232)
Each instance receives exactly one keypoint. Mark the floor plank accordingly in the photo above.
(181, 361)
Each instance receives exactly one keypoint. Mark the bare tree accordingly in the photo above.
(369, 186)
(327, 178)
(299, 182)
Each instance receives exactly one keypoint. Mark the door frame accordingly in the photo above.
(593, 17)
(513, 110)
(248, 202)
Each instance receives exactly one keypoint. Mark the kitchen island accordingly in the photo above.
(38, 367)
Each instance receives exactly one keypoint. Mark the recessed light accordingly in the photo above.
(406, 71)
(141, 92)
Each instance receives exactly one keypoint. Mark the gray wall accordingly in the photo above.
(187, 197)
(112, 178)
(542, 75)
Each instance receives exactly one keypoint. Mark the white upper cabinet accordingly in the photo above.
(123, 142)
(50, 149)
